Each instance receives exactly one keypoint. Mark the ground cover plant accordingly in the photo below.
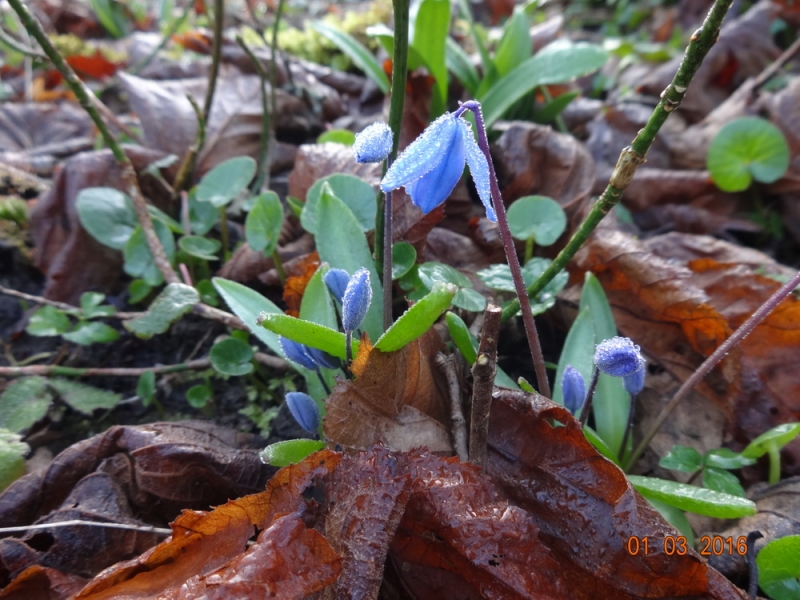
(470, 316)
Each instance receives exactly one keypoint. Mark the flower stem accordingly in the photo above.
(774, 463)
(587, 407)
(634, 155)
(511, 252)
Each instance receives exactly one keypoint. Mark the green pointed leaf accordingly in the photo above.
(682, 458)
(404, 255)
(550, 111)
(248, 304)
(317, 307)
(462, 338)
(460, 65)
(675, 517)
(359, 54)
(305, 332)
(47, 321)
(693, 499)
(84, 398)
(283, 454)
(747, 148)
(91, 332)
(515, 46)
(342, 244)
(599, 445)
(578, 351)
(721, 480)
(231, 357)
(776, 437)
(337, 136)
(417, 319)
(200, 247)
(357, 194)
(107, 214)
(24, 402)
(539, 217)
(91, 305)
(226, 181)
(722, 458)
(12, 457)
(159, 215)
(779, 568)
(138, 290)
(171, 304)
(431, 28)
(264, 222)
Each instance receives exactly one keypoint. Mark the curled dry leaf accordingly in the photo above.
(397, 399)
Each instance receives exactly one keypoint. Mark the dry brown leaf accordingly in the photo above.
(315, 161)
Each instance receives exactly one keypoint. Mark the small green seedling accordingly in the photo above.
(779, 568)
(715, 465)
(770, 442)
(746, 149)
(49, 320)
(419, 280)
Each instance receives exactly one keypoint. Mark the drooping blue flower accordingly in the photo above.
(356, 300)
(323, 359)
(574, 388)
(433, 163)
(304, 410)
(297, 352)
(634, 383)
(618, 357)
(337, 280)
(373, 144)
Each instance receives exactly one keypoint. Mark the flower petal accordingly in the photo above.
(373, 144)
(433, 188)
(423, 155)
(478, 167)
(356, 300)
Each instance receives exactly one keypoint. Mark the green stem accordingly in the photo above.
(559, 121)
(528, 249)
(223, 227)
(262, 171)
(216, 53)
(276, 259)
(774, 463)
(273, 73)
(383, 226)
(634, 155)
(170, 31)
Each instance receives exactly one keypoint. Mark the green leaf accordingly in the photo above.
(558, 62)
(248, 304)
(202, 215)
(744, 149)
(159, 215)
(264, 222)
(722, 458)
(693, 499)
(539, 217)
(226, 181)
(208, 295)
(111, 16)
(231, 357)
(404, 255)
(682, 458)
(515, 45)
(359, 54)
(24, 402)
(91, 332)
(720, 480)
(469, 300)
(146, 387)
(107, 214)
(779, 568)
(342, 244)
(578, 351)
(357, 194)
(283, 454)
(47, 321)
(12, 457)
(138, 260)
(139, 289)
(305, 332)
(431, 28)
(431, 272)
(198, 396)
(462, 338)
(417, 319)
(777, 437)
(550, 111)
(84, 398)
(91, 305)
(337, 136)
(599, 444)
(676, 518)
(317, 307)
(498, 277)
(200, 247)
(385, 37)
(171, 304)
(460, 65)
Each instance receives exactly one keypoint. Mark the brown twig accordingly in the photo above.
(458, 426)
(63, 305)
(80, 522)
(483, 372)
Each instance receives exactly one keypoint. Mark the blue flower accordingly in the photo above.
(618, 357)
(356, 300)
(634, 383)
(337, 280)
(304, 410)
(574, 388)
(433, 163)
(310, 358)
(373, 144)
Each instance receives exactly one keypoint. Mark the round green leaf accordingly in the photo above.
(431, 272)
(138, 290)
(356, 193)
(138, 260)
(682, 458)
(200, 247)
(744, 149)
(283, 454)
(108, 215)
(404, 255)
(693, 499)
(264, 222)
(338, 136)
(779, 568)
(723, 458)
(225, 181)
(171, 304)
(539, 217)
(48, 320)
(776, 437)
(232, 357)
(198, 395)
(90, 332)
(470, 300)
(202, 215)
(91, 305)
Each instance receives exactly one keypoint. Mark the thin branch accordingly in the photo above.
(173, 27)
(62, 305)
(458, 426)
(216, 53)
(712, 361)
(17, 46)
(634, 155)
(79, 522)
(483, 372)
(262, 170)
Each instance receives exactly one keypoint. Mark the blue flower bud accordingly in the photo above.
(634, 383)
(337, 280)
(304, 410)
(618, 357)
(297, 353)
(323, 359)
(356, 301)
(373, 144)
(574, 388)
